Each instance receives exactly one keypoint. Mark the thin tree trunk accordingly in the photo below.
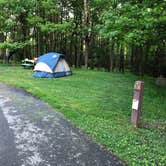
(159, 60)
(141, 54)
(75, 52)
(111, 58)
(4, 55)
(38, 43)
(132, 58)
(85, 39)
(121, 65)
(3, 50)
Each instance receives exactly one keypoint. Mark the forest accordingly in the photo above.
(112, 35)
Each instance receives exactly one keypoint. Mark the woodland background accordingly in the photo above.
(112, 35)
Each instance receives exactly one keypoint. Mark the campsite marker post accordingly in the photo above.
(137, 103)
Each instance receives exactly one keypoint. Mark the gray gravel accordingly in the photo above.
(32, 133)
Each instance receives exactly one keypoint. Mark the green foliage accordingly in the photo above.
(129, 30)
(34, 20)
(134, 22)
(51, 7)
(51, 27)
(16, 45)
(100, 104)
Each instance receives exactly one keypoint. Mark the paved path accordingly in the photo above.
(34, 134)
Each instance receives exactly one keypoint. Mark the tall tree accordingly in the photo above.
(86, 31)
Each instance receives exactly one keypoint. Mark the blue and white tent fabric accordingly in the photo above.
(51, 65)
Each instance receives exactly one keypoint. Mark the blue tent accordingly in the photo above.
(51, 65)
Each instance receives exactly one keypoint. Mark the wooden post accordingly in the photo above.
(137, 103)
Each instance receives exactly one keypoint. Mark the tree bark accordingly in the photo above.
(111, 58)
(132, 58)
(86, 36)
(3, 50)
(121, 65)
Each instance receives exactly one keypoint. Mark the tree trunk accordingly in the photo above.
(3, 51)
(111, 58)
(86, 36)
(132, 58)
(140, 66)
(4, 55)
(159, 60)
(121, 65)
(75, 53)
(85, 52)
(38, 49)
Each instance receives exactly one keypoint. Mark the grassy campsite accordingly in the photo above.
(99, 103)
(83, 59)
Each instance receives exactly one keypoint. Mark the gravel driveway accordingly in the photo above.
(32, 133)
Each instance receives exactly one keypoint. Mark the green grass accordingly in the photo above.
(99, 103)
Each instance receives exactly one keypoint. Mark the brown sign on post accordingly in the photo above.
(137, 103)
